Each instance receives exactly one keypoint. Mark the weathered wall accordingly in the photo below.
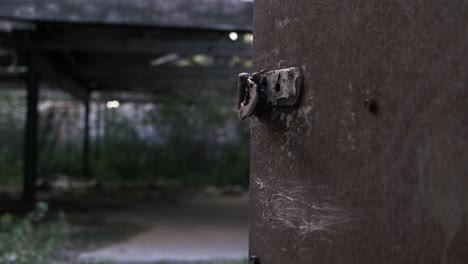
(333, 182)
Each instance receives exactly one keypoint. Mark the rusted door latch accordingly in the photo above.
(280, 88)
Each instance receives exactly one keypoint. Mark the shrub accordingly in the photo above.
(29, 239)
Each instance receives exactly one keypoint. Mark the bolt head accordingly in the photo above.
(254, 260)
(371, 105)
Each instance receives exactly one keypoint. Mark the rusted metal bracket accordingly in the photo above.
(266, 90)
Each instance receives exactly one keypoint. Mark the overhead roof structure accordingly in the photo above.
(223, 15)
(86, 45)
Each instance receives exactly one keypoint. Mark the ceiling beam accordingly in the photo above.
(145, 46)
(186, 87)
(220, 15)
(11, 76)
(115, 43)
(162, 73)
(53, 76)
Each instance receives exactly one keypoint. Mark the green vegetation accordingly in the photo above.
(29, 239)
(184, 158)
(193, 144)
(12, 112)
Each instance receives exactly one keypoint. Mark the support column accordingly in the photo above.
(86, 171)
(30, 139)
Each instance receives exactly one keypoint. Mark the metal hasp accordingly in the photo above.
(279, 88)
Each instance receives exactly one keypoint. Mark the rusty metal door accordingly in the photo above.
(372, 166)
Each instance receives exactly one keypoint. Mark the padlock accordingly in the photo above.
(248, 96)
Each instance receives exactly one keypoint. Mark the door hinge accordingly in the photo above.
(267, 90)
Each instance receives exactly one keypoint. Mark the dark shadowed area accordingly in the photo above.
(119, 137)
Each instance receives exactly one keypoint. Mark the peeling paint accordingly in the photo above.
(305, 116)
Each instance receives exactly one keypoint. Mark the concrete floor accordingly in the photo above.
(199, 228)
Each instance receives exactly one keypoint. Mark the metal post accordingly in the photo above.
(30, 139)
(86, 172)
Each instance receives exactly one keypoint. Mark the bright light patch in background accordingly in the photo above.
(233, 36)
(248, 38)
(113, 104)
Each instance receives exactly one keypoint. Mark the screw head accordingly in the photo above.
(371, 105)
(254, 260)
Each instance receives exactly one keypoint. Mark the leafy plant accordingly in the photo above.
(29, 239)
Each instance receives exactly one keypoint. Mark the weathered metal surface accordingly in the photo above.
(233, 15)
(332, 181)
(278, 88)
(283, 87)
(249, 97)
